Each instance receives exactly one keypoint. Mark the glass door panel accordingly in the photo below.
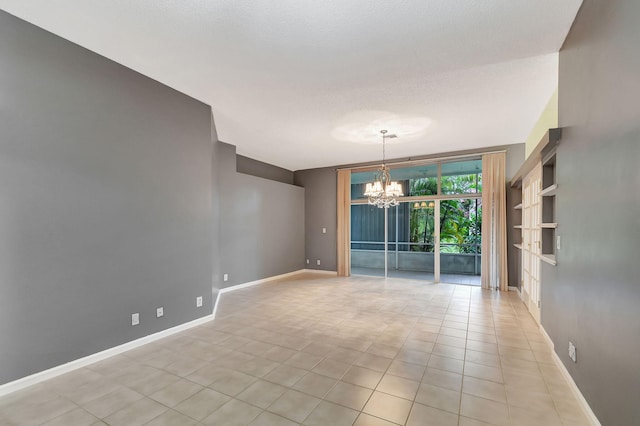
(367, 240)
(411, 240)
(414, 256)
(460, 241)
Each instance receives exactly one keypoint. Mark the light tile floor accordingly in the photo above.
(318, 350)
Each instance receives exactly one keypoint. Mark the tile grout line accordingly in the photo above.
(464, 361)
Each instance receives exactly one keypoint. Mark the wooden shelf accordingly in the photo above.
(549, 258)
(517, 226)
(550, 191)
(518, 207)
(549, 225)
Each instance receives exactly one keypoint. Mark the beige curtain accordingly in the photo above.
(494, 222)
(344, 223)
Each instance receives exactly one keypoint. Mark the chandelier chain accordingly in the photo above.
(383, 146)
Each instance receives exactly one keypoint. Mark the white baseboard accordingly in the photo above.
(588, 412)
(516, 289)
(265, 280)
(36, 378)
(261, 281)
(321, 271)
(249, 284)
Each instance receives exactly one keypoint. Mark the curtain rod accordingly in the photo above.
(421, 162)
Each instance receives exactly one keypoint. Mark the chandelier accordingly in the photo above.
(383, 193)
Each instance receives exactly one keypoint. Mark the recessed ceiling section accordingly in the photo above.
(295, 83)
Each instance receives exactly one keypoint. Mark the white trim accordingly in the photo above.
(215, 305)
(548, 340)
(320, 271)
(586, 409)
(265, 280)
(516, 289)
(36, 378)
(41, 376)
(260, 281)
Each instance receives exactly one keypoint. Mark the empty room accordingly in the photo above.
(319, 213)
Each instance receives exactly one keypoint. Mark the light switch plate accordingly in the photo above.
(160, 312)
(135, 319)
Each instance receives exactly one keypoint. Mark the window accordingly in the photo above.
(462, 177)
(455, 178)
(435, 231)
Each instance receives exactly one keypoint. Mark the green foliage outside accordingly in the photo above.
(460, 220)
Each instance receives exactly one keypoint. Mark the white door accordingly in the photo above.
(531, 240)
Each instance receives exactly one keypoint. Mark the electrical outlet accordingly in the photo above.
(199, 302)
(225, 277)
(324, 230)
(318, 262)
(135, 319)
(572, 352)
(159, 312)
(307, 261)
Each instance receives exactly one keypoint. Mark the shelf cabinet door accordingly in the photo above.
(532, 244)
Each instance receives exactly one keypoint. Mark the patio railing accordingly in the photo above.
(405, 256)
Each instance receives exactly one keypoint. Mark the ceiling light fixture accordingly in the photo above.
(383, 193)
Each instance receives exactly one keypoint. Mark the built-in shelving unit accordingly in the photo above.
(517, 219)
(549, 191)
(549, 258)
(549, 223)
(537, 179)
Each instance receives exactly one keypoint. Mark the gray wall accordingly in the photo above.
(261, 224)
(105, 202)
(249, 166)
(320, 212)
(593, 296)
(320, 206)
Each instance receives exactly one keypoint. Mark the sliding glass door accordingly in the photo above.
(433, 234)
(410, 248)
(460, 240)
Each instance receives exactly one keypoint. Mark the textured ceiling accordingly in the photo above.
(296, 82)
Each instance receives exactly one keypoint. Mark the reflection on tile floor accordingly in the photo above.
(320, 350)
